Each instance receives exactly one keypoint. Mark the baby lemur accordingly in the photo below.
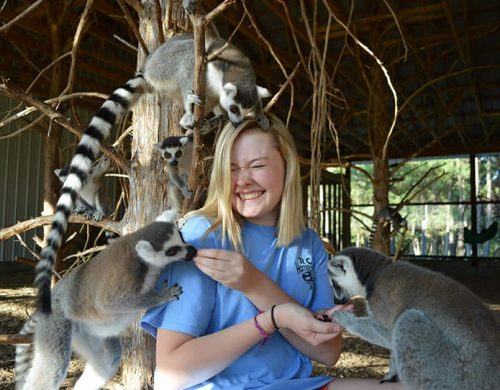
(440, 334)
(169, 71)
(178, 153)
(95, 303)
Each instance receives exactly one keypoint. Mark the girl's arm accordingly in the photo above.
(233, 270)
(183, 361)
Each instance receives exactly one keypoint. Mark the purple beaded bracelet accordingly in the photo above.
(262, 332)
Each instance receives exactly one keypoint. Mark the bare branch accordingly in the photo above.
(133, 27)
(218, 10)
(58, 118)
(384, 71)
(128, 44)
(277, 95)
(23, 129)
(6, 27)
(34, 223)
(76, 45)
(137, 5)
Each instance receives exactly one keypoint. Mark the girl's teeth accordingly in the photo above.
(252, 195)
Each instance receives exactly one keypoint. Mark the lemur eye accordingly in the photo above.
(178, 154)
(167, 155)
(173, 250)
(234, 109)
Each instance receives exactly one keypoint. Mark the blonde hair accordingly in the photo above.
(218, 203)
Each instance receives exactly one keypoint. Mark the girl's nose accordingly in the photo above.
(243, 176)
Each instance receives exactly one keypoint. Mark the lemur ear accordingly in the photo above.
(57, 171)
(230, 89)
(184, 140)
(263, 92)
(157, 146)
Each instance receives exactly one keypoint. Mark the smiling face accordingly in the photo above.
(257, 177)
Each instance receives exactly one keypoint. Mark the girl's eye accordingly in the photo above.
(258, 166)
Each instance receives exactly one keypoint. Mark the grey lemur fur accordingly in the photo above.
(169, 70)
(178, 152)
(386, 215)
(95, 303)
(440, 334)
(92, 200)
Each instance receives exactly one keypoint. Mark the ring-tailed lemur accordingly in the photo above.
(386, 215)
(96, 302)
(169, 70)
(440, 334)
(92, 200)
(178, 152)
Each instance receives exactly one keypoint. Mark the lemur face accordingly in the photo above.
(172, 155)
(172, 148)
(344, 278)
(240, 104)
(163, 243)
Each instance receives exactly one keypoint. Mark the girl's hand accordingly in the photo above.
(232, 269)
(305, 324)
(326, 315)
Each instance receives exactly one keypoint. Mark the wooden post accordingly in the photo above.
(473, 207)
(154, 118)
(377, 134)
(199, 26)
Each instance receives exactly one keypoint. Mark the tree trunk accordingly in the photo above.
(154, 118)
(377, 135)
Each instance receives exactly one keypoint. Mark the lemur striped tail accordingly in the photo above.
(24, 353)
(86, 153)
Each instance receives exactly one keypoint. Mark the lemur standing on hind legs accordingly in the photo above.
(95, 303)
(169, 70)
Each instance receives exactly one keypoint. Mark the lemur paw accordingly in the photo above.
(187, 192)
(187, 121)
(192, 98)
(173, 292)
(343, 318)
(390, 378)
(97, 215)
(80, 210)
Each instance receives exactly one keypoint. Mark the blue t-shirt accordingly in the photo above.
(207, 306)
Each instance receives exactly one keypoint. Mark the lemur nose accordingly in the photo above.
(173, 163)
(191, 252)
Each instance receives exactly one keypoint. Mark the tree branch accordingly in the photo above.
(58, 118)
(33, 223)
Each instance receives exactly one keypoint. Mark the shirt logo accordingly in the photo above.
(305, 269)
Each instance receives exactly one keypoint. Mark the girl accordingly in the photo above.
(245, 319)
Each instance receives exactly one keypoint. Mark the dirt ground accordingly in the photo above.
(359, 359)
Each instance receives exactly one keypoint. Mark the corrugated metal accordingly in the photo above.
(21, 183)
(21, 180)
